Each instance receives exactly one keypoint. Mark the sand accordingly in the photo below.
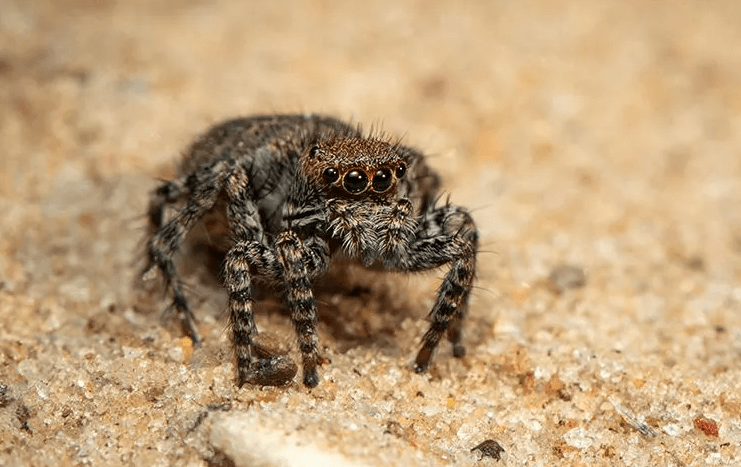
(598, 144)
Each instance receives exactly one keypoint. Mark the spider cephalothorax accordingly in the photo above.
(355, 167)
(295, 191)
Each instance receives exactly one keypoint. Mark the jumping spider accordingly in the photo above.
(295, 191)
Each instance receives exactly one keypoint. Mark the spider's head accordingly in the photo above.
(352, 168)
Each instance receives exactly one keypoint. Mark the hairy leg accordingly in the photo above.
(237, 280)
(248, 254)
(204, 187)
(294, 256)
(289, 261)
(444, 235)
(167, 193)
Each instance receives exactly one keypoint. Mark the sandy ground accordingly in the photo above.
(601, 135)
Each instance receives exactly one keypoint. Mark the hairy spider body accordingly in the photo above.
(296, 190)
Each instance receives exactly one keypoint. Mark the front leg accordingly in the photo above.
(294, 257)
(288, 261)
(444, 235)
(250, 256)
(238, 282)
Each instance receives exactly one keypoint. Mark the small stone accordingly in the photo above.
(489, 448)
(578, 438)
(707, 426)
(275, 370)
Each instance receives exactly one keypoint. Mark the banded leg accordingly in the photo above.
(291, 262)
(251, 257)
(241, 317)
(166, 194)
(204, 187)
(294, 256)
(248, 255)
(445, 235)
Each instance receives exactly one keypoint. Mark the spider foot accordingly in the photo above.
(311, 378)
(459, 351)
(422, 362)
(187, 319)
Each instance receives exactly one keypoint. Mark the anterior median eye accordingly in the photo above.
(355, 181)
(330, 175)
(382, 180)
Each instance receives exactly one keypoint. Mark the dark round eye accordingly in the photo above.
(330, 175)
(401, 170)
(313, 151)
(382, 180)
(355, 181)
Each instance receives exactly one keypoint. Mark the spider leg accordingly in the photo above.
(244, 256)
(443, 235)
(167, 193)
(249, 255)
(290, 260)
(302, 261)
(204, 187)
(250, 258)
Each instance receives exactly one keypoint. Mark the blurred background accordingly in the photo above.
(603, 85)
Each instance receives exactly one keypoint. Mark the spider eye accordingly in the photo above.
(382, 180)
(313, 151)
(355, 181)
(401, 170)
(330, 175)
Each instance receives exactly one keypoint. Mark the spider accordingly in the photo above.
(296, 191)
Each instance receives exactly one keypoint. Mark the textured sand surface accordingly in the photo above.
(601, 135)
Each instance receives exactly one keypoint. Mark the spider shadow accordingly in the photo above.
(360, 307)
(357, 306)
